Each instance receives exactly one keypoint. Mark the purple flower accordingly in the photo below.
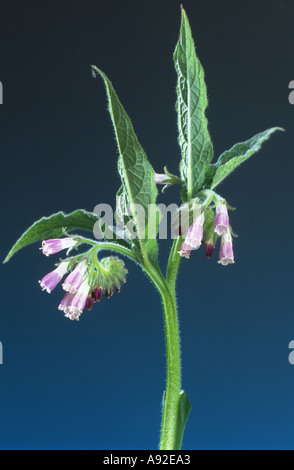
(160, 178)
(77, 303)
(221, 221)
(226, 255)
(194, 236)
(195, 232)
(49, 247)
(66, 302)
(75, 279)
(185, 250)
(50, 281)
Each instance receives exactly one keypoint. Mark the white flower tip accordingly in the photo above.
(225, 261)
(184, 254)
(69, 288)
(44, 251)
(73, 313)
(44, 287)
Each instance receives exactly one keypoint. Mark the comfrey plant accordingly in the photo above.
(200, 221)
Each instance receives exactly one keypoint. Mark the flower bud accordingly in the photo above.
(209, 249)
(160, 178)
(97, 294)
(89, 303)
(108, 292)
(114, 272)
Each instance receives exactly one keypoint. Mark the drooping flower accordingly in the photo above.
(66, 302)
(75, 278)
(195, 232)
(194, 236)
(226, 255)
(54, 245)
(76, 304)
(185, 250)
(50, 281)
(221, 221)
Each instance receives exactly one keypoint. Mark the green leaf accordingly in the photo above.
(232, 158)
(138, 188)
(53, 226)
(183, 412)
(194, 140)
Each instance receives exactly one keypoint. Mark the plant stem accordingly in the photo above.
(170, 413)
(111, 246)
(176, 405)
(173, 263)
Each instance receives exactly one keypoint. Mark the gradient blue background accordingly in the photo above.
(98, 383)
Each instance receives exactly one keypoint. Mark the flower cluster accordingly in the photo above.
(87, 278)
(206, 226)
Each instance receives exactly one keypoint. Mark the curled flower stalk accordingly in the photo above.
(201, 223)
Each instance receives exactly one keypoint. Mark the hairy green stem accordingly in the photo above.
(171, 435)
(111, 246)
(173, 417)
(173, 263)
(170, 412)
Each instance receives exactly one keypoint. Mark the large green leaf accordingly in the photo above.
(53, 227)
(232, 158)
(194, 139)
(138, 189)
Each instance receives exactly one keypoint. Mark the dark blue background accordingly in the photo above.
(98, 383)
